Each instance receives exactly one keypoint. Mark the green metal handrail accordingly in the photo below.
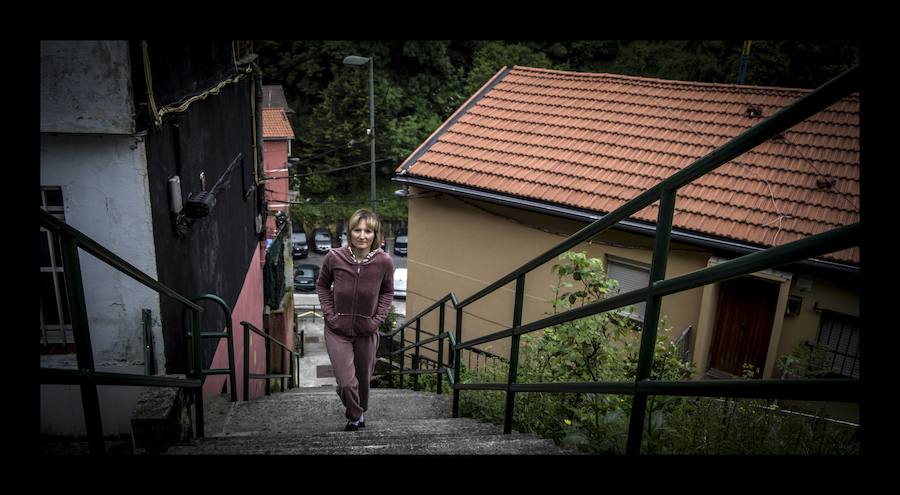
(86, 375)
(294, 362)
(664, 192)
(228, 334)
(439, 351)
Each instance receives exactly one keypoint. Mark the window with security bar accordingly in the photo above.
(55, 320)
(840, 334)
(630, 276)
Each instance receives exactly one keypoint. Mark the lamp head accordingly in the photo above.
(355, 60)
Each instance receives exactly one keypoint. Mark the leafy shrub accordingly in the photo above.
(605, 347)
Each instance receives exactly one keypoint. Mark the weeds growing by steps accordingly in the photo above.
(605, 347)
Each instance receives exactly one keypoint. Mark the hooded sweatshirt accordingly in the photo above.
(362, 294)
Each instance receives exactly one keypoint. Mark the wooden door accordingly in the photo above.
(744, 321)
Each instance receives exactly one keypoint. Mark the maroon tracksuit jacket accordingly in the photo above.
(362, 295)
(353, 311)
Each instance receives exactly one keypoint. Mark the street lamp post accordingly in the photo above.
(355, 60)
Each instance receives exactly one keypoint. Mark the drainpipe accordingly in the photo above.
(258, 149)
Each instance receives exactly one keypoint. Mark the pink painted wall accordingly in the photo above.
(249, 308)
(275, 156)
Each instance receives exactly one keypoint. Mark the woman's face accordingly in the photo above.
(361, 236)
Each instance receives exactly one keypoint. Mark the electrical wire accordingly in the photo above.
(805, 157)
(318, 172)
(349, 144)
(780, 215)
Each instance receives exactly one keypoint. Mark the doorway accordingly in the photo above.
(746, 313)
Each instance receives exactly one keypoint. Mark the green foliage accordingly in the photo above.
(390, 323)
(805, 362)
(495, 55)
(420, 83)
(599, 348)
(605, 347)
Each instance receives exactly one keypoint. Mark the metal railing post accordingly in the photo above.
(440, 358)
(402, 357)
(514, 354)
(267, 348)
(246, 362)
(416, 358)
(391, 361)
(457, 362)
(149, 362)
(197, 369)
(651, 319)
(84, 352)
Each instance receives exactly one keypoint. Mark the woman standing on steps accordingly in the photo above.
(362, 275)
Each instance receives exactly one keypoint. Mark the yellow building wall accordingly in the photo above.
(464, 245)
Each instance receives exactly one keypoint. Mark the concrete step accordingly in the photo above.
(344, 443)
(435, 427)
(322, 409)
(311, 421)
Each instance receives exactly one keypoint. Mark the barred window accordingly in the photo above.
(840, 333)
(55, 320)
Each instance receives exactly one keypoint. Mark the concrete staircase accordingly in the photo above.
(311, 421)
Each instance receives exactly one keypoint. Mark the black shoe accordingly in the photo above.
(351, 427)
(362, 424)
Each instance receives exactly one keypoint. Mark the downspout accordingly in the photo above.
(256, 106)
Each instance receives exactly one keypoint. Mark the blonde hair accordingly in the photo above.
(371, 221)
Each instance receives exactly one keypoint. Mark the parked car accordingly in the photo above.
(305, 277)
(300, 246)
(400, 283)
(342, 234)
(321, 240)
(401, 242)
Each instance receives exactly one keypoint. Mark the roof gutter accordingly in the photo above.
(626, 225)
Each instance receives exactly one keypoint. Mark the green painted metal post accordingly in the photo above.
(246, 362)
(197, 370)
(416, 359)
(402, 359)
(457, 362)
(440, 363)
(514, 354)
(283, 355)
(391, 361)
(232, 372)
(149, 362)
(651, 319)
(267, 350)
(83, 348)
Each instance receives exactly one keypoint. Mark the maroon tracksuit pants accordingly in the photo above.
(353, 362)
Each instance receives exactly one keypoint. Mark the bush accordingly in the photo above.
(605, 347)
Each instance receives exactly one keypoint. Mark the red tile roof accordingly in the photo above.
(276, 124)
(595, 141)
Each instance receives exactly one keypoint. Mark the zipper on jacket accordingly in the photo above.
(355, 290)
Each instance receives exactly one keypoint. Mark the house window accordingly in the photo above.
(56, 322)
(631, 276)
(840, 333)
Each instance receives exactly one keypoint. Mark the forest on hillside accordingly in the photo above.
(420, 83)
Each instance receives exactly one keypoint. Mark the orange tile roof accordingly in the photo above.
(595, 141)
(276, 124)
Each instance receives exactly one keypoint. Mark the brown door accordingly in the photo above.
(743, 324)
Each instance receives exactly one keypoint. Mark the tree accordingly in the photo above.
(420, 83)
(494, 55)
